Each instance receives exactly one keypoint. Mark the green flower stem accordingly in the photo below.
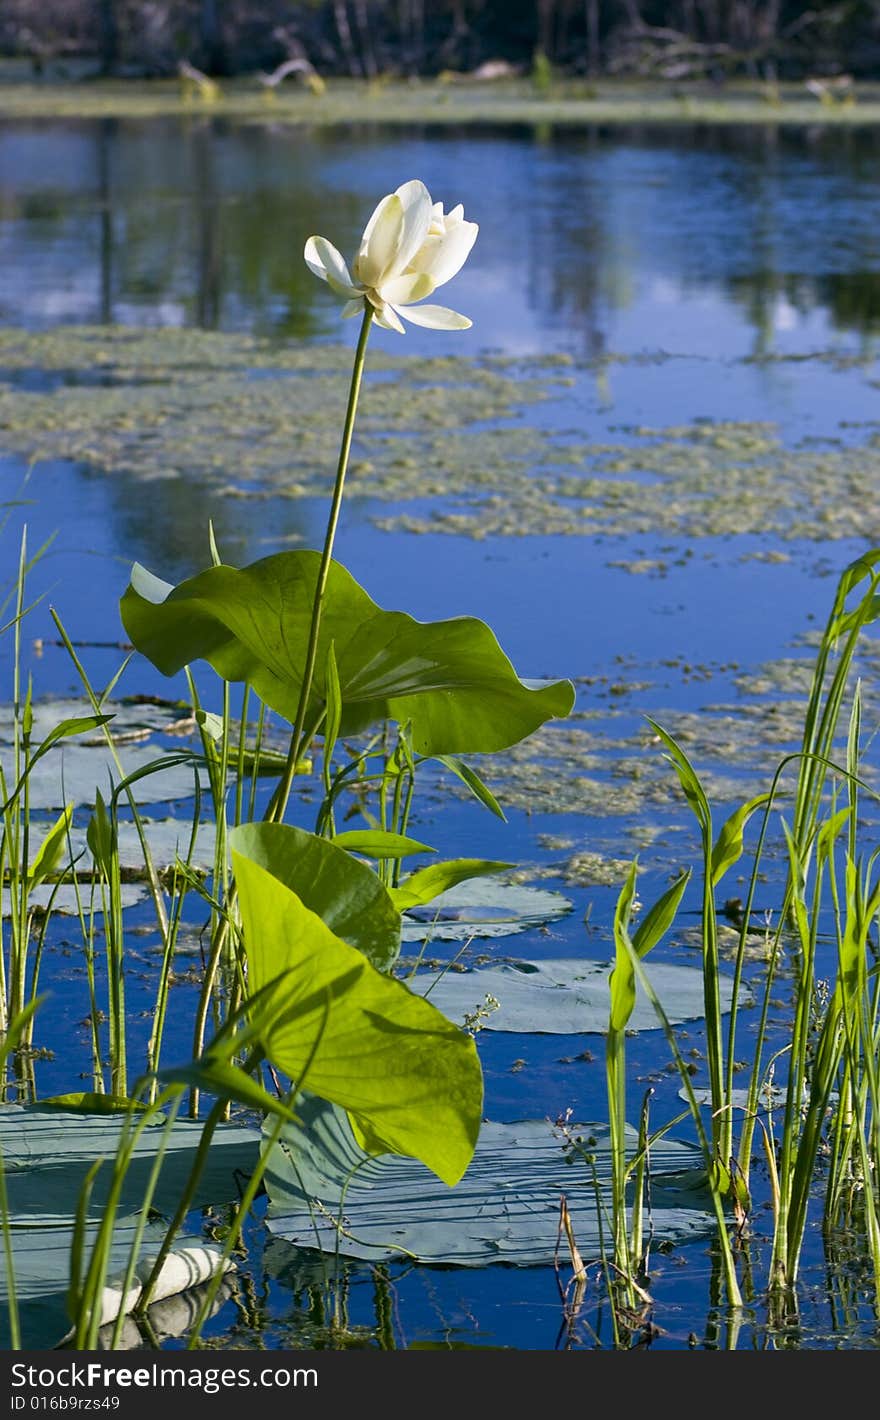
(278, 803)
(277, 806)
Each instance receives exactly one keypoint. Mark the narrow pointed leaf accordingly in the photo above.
(51, 850)
(728, 847)
(426, 884)
(659, 918)
(375, 843)
(478, 787)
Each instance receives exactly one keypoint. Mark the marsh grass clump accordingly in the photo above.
(818, 1136)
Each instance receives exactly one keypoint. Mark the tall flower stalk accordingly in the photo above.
(408, 249)
(278, 803)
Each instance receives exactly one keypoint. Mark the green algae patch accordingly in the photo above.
(609, 768)
(445, 440)
(703, 480)
(585, 868)
(249, 417)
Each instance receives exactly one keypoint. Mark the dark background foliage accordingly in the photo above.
(714, 39)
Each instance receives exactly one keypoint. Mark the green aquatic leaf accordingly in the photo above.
(410, 1079)
(449, 679)
(87, 1102)
(622, 982)
(728, 847)
(326, 1194)
(376, 843)
(426, 884)
(473, 781)
(52, 850)
(345, 894)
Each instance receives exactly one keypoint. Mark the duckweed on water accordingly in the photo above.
(256, 419)
(610, 766)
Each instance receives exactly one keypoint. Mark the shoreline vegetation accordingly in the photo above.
(443, 100)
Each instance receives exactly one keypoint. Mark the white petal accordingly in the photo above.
(437, 318)
(456, 215)
(352, 308)
(387, 317)
(380, 244)
(325, 261)
(404, 289)
(417, 210)
(441, 257)
(383, 314)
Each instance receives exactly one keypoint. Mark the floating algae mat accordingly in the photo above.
(251, 417)
(257, 419)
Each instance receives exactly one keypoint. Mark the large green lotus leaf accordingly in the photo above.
(409, 1077)
(47, 1154)
(346, 894)
(505, 1209)
(483, 908)
(450, 679)
(565, 996)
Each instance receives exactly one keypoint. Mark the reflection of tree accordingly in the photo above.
(853, 298)
(574, 269)
(168, 532)
(202, 223)
(105, 217)
(209, 285)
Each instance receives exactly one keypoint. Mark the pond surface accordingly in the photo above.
(647, 464)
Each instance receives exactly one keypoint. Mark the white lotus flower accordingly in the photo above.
(409, 248)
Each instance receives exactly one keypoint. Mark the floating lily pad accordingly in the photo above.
(72, 773)
(168, 839)
(63, 898)
(46, 1156)
(75, 767)
(483, 908)
(505, 1209)
(131, 720)
(565, 996)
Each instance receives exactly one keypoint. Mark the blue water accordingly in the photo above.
(714, 248)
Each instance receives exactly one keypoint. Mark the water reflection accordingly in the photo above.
(591, 240)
